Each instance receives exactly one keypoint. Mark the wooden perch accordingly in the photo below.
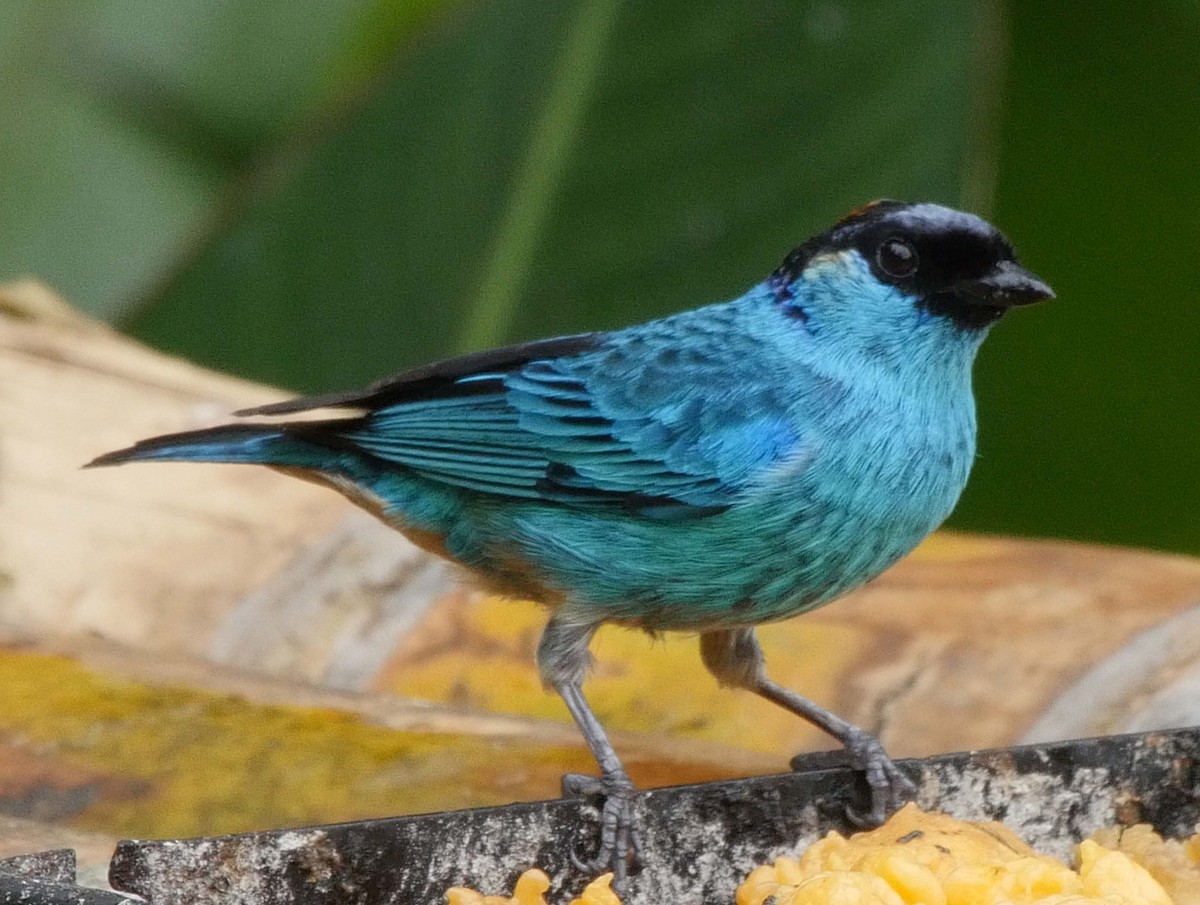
(192, 561)
(699, 841)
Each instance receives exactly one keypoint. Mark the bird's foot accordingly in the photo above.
(890, 788)
(620, 841)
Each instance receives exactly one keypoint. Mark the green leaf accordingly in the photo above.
(552, 134)
(541, 166)
(122, 123)
(1088, 404)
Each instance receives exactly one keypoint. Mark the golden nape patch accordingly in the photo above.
(861, 211)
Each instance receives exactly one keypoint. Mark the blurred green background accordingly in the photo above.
(317, 193)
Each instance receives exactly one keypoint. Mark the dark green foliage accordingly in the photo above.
(684, 158)
(317, 194)
(1089, 424)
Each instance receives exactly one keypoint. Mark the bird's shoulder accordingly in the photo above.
(673, 416)
(441, 378)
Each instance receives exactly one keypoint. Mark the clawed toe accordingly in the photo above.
(620, 841)
(890, 787)
(580, 785)
(588, 868)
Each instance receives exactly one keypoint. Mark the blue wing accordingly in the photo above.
(600, 421)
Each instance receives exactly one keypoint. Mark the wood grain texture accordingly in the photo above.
(167, 558)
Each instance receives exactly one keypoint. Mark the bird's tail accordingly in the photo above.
(259, 444)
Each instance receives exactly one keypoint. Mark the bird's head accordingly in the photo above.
(898, 272)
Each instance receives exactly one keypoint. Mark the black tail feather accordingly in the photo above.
(254, 443)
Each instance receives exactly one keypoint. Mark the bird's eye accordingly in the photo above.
(897, 257)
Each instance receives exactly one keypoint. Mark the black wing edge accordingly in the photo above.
(435, 379)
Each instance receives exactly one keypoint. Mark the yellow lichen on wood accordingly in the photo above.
(484, 652)
(143, 760)
(952, 547)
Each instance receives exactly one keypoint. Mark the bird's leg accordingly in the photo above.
(562, 658)
(735, 658)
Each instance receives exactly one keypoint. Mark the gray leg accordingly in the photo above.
(734, 657)
(562, 658)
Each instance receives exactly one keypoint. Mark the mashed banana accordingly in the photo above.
(918, 858)
(936, 860)
(530, 890)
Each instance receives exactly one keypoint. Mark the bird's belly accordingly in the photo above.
(782, 551)
(849, 519)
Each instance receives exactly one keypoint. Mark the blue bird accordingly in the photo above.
(706, 472)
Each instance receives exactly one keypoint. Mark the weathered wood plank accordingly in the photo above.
(699, 842)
